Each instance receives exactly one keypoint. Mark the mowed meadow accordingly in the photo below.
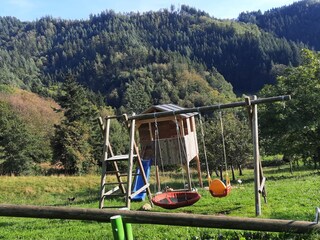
(290, 196)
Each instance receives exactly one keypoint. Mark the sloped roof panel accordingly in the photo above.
(169, 107)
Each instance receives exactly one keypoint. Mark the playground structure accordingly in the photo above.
(168, 146)
(148, 119)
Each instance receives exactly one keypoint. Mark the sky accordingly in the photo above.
(29, 10)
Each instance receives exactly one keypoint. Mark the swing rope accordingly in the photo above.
(175, 199)
(157, 140)
(204, 147)
(223, 143)
(180, 146)
(217, 187)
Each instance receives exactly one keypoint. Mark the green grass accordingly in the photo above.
(289, 197)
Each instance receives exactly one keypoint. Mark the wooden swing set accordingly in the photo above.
(155, 133)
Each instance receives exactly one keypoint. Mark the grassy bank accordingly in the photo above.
(290, 196)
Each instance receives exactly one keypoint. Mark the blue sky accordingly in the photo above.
(28, 10)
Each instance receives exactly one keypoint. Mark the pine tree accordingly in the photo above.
(72, 142)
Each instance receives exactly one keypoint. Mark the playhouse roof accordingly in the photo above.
(169, 107)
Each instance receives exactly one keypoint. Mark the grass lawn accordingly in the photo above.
(290, 196)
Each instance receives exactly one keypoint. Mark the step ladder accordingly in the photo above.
(122, 187)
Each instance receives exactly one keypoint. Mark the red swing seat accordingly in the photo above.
(172, 200)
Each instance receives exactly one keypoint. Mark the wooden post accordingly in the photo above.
(150, 131)
(144, 177)
(194, 130)
(130, 163)
(105, 128)
(256, 157)
(188, 176)
(199, 171)
(184, 151)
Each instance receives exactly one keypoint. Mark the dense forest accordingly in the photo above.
(74, 71)
(297, 22)
(109, 50)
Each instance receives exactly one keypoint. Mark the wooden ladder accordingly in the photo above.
(133, 159)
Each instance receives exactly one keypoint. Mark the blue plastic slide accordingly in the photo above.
(139, 183)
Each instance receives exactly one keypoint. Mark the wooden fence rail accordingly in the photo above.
(177, 219)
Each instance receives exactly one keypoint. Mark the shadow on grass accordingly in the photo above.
(88, 196)
(293, 176)
(6, 224)
(228, 211)
(290, 216)
(285, 169)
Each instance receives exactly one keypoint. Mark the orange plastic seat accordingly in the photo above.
(218, 188)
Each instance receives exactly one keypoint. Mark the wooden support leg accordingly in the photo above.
(199, 171)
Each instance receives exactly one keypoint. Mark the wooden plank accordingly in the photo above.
(261, 187)
(177, 219)
(208, 108)
(152, 120)
(130, 163)
(119, 157)
(139, 191)
(105, 127)
(144, 177)
(113, 183)
(112, 191)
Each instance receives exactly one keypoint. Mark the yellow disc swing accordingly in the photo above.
(217, 187)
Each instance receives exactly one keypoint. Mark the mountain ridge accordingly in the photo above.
(104, 51)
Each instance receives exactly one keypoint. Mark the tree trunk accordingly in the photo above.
(233, 176)
(291, 169)
(217, 173)
(240, 169)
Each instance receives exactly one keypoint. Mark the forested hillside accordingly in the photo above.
(111, 51)
(298, 22)
(26, 128)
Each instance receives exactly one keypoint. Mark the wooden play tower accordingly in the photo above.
(176, 146)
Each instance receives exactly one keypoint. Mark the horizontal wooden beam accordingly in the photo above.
(202, 109)
(177, 219)
(209, 108)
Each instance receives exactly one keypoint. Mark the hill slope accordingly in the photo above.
(298, 22)
(104, 51)
(26, 126)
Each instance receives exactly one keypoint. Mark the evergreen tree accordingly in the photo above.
(73, 137)
(18, 149)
